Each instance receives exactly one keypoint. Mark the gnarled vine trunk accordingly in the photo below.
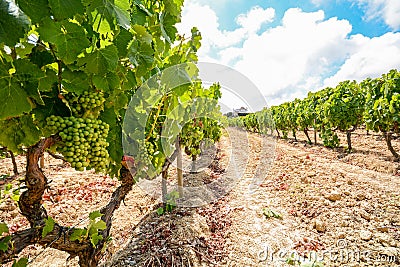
(308, 137)
(388, 139)
(59, 238)
(36, 182)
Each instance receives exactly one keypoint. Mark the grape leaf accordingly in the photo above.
(75, 81)
(36, 10)
(11, 17)
(65, 9)
(106, 12)
(139, 16)
(27, 74)
(49, 226)
(173, 7)
(95, 214)
(95, 238)
(4, 243)
(23, 262)
(3, 228)
(18, 132)
(141, 55)
(14, 97)
(100, 225)
(106, 82)
(69, 38)
(168, 29)
(122, 40)
(78, 234)
(101, 61)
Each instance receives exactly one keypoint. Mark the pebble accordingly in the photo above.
(383, 239)
(360, 196)
(365, 235)
(334, 196)
(365, 215)
(319, 225)
(341, 235)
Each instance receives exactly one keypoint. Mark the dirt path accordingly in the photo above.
(346, 213)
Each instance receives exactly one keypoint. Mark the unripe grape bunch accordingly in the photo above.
(83, 143)
(88, 104)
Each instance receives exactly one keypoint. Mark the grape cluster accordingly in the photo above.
(191, 137)
(88, 103)
(84, 141)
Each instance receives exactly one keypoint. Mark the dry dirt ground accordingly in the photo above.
(288, 199)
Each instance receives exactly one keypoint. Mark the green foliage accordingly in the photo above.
(13, 193)
(268, 213)
(4, 243)
(86, 59)
(12, 18)
(49, 226)
(23, 262)
(90, 232)
(329, 138)
(382, 105)
(344, 108)
(170, 203)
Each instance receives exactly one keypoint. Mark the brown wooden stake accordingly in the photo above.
(164, 188)
(179, 168)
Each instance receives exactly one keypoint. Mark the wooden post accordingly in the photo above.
(179, 168)
(164, 188)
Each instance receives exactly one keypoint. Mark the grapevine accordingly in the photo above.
(374, 103)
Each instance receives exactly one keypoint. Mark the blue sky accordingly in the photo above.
(287, 48)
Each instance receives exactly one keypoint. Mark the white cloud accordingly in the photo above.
(373, 57)
(295, 57)
(255, 18)
(389, 10)
(205, 19)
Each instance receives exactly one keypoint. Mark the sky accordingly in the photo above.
(290, 47)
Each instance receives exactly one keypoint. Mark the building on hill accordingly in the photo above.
(243, 111)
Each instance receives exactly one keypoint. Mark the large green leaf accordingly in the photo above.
(173, 7)
(36, 10)
(122, 40)
(75, 81)
(62, 9)
(101, 61)
(141, 55)
(106, 14)
(29, 74)
(18, 132)
(69, 38)
(168, 28)
(15, 99)
(11, 17)
(106, 82)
